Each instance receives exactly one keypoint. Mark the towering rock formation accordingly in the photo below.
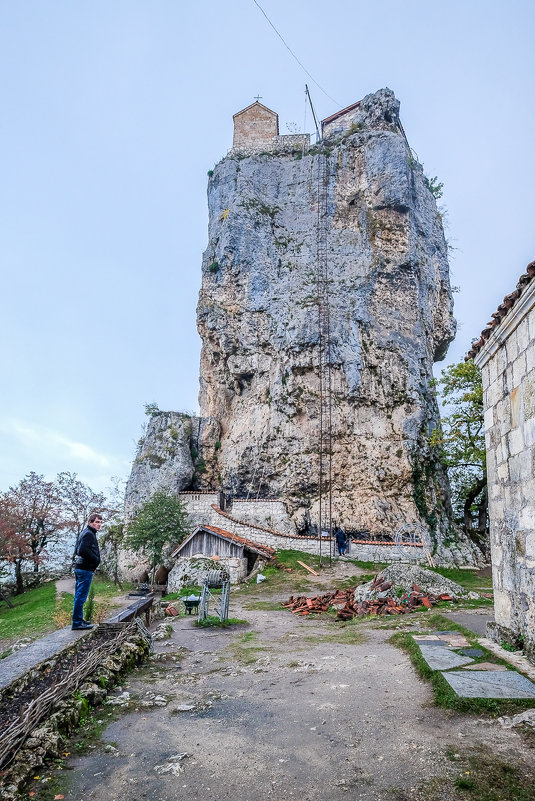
(390, 318)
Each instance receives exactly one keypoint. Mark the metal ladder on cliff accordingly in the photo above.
(325, 439)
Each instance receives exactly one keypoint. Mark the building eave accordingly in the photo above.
(498, 329)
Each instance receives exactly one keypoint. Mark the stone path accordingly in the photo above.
(65, 585)
(489, 684)
(443, 650)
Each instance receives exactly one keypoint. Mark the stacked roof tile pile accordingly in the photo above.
(507, 303)
(348, 607)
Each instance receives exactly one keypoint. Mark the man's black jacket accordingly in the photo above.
(87, 550)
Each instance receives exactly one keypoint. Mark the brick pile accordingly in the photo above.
(348, 607)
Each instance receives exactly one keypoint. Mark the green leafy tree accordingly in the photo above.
(161, 521)
(111, 538)
(461, 438)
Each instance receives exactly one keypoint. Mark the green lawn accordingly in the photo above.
(36, 612)
(470, 579)
(31, 614)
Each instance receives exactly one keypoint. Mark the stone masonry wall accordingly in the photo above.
(199, 506)
(507, 362)
(362, 551)
(253, 125)
(287, 143)
(269, 513)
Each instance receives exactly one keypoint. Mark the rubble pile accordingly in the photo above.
(393, 592)
(348, 607)
(401, 579)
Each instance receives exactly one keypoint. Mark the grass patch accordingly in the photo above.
(36, 612)
(245, 648)
(277, 581)
(485, 776)
(31, 614)
(211, 621)
(372, 567)
(467, 603)
(343, 635)
(470, 579)
(289, 559)
(444, 694)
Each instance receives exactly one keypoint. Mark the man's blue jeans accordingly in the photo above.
(81, 591)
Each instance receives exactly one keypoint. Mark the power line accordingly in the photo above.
(287, 46)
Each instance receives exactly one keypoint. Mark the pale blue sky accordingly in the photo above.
(112, 113)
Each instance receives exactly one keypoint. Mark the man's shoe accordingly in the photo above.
(83, 625)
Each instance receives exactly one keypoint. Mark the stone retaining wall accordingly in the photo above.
(46, 740)
(363, 551)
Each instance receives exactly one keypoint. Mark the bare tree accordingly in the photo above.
(78, 500)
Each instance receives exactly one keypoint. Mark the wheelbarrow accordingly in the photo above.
(191, 603)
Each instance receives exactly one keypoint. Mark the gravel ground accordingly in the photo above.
(284, 707)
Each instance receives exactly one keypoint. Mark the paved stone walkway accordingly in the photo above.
(443, 650)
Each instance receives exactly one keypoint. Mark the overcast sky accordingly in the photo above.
(112, 113)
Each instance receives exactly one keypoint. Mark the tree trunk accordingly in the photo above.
(116, 579)
(483, 513)
(18, 577)
(468, 521)
(4, 596)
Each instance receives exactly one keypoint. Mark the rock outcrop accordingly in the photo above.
(170, 457)
(390, 316)
(359, 204)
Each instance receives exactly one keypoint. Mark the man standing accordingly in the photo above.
(86, 561)
(340, 540)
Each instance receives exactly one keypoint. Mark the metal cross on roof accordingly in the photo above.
(258, 98)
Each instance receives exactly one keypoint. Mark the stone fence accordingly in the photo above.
(363, 551)
(285, 143)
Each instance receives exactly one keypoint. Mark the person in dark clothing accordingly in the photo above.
(340, 540)
(86, 561)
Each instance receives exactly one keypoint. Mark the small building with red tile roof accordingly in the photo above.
(210, 546)
(505, 353)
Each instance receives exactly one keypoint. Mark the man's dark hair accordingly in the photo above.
(93, 517)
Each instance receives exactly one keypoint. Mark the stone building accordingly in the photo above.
(209, 547)
(256, 124)
(506, 355)
(256, 130)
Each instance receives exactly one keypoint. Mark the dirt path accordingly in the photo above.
(65, 585)
(282, 708)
